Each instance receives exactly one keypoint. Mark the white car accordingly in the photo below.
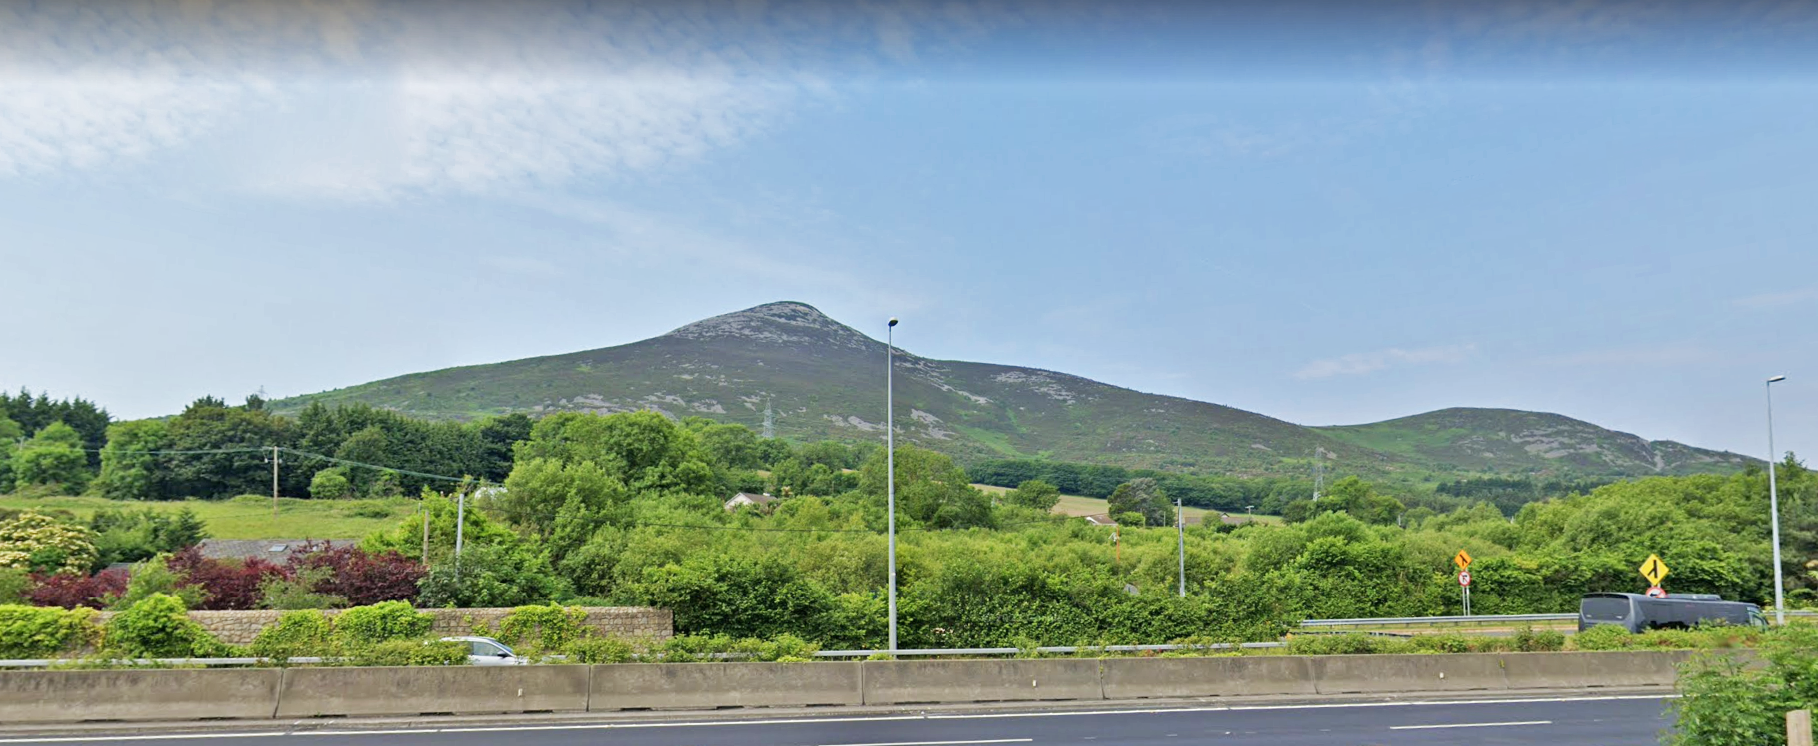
(485, 651)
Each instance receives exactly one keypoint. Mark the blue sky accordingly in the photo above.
(1327, 213)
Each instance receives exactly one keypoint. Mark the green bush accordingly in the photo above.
(692, 648)
(1450, 642)
(1354, 643)
(45, 632)
(381, 622)
(1530, 640)
(15, 584)
(1603, 637)
(297, 634)
(549, 627)
(159, 627)
(785, 647)
(599, 650)
(152, 577)
(407, 653)
(1724, 702)
(299, 591)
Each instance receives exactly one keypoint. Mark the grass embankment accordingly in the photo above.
(250, 516)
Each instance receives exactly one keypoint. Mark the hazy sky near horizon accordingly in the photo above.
(1325, 212)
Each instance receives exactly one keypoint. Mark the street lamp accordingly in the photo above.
(1774, 506)
(890, 459)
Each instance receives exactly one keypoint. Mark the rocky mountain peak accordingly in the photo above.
(783, 323)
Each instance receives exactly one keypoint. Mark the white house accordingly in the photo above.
(747, 498)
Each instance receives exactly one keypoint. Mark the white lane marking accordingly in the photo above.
(1469, 725)
(806, 721)
(934, 743)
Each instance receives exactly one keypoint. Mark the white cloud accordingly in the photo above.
(1370, 362)
(362, 100)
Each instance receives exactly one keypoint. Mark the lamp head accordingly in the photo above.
(1775, 379)
(893, 321)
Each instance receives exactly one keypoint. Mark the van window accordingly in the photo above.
(1606, 609)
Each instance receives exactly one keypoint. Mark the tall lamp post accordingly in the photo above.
(1774, 506)
(890, 460)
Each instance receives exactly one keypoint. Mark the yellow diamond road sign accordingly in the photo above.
(1653, 569)
(1462, 560)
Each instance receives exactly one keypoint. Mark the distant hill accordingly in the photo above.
(823, 379)
(1514, 441)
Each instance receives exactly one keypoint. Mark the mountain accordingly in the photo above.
(1514, 441)
(823, 379)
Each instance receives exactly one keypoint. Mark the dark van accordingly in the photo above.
(1636, 613)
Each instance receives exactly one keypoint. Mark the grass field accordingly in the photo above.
(1077, 505)
(250, 516)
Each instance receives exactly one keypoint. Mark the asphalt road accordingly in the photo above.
(1554, 722)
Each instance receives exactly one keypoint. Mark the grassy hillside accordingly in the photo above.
(823, 380)
(1513, 441)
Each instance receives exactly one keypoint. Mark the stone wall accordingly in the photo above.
(624, 622)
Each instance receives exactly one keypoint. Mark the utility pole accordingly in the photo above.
(1180, 530)
(424, 504)
(274, 483)
(890, 459)
(1774, 507)
(460, 524)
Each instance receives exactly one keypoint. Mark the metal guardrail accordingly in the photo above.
(972, 652)
(1052, 650)
(1438, 621)
(1415, 621)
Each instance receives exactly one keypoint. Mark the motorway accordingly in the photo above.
(1592, 721)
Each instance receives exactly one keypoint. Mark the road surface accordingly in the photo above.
(1608, 721)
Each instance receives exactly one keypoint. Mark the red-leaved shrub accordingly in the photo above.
(71, 591)
(361, 577)
(229, 584)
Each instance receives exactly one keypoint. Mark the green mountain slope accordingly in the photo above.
(1513, 441)
(823, 379)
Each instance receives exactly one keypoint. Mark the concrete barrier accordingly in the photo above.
(1141, 678)
(1616, 669)
(708, 685)
(1388, 674)
(904, 682)
(72, 696)
(309, 692)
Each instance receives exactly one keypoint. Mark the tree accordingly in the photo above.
(1361, 500)
(491, 576)
(539, 489)
(39, 543)
(330, 484)
(34, 413)
(1142, 495)
(53, 458)
(930, 489)
(497, 437)
(129, 469)
(1034, 493)
(137, 535)
(361, 577)
(730, 446)
(644, 450)
(228, 451)
(10, 434)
